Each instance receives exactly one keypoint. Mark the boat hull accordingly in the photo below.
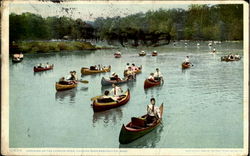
(42, 69)
(106, 82)
(142, 54)
(128, 134)
(117, 55)
(60, 87)
(185, 66)
(154, 54)
(149, 84)
(87, 71)
(97, 107)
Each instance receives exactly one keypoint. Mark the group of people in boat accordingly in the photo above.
(97, 67)
(40, 65)
(18, 56)
(71, 79)
(155, 77)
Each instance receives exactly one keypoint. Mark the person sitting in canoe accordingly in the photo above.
(72, 77)
(115, 77)
(130, 74)
(116, 91)
(106, 97)
(186, 60)
(237, 56)
(47, 65)
(151, 78)
(62, 81)
(157, 75)
(93, 67)
(134, 68)
(214, 50)
(40, 65)
(153, 112)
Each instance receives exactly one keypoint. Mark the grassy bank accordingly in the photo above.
(45, 46)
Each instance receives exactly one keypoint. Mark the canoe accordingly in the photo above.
(136, 72)
(117, 55)
(154, 54)
(14, 60)
(131, 132)
(185, 66)
(37, 69)
(87, 71)
(60, 87)
(149, 84)
(142, 54)
(101, 106)
(225, 58)
(106, 82)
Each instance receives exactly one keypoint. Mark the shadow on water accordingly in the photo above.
(62, 95)
(108, 116)
(153, 89)
(42, 72)
(147, 141)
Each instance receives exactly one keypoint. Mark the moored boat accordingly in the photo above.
(60, 87)
(106, 82)
(136, 129)
(39, 69)
(142, 53)
(87, 71)
(227, 59)
(185, 65)
(149, 84)
(101, 104)
(154, 53)
(117, 54)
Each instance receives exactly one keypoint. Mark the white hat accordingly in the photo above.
(113, 73)
(155, 51)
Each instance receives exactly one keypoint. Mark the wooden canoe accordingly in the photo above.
(154, 54)
(37, 69)
(142, 54)
(136, 72)
(149, 84)
(225, 58)
(87, 71)
(117, 55)
(130, 133)
(106, 82)
(15, 60)
(185, 66)
(60, 87)
(101, 106)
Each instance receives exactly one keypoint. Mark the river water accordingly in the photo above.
(203, 106)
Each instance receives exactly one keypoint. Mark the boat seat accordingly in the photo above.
(138, 122)
(105, 100)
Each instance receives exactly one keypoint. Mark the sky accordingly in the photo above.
(89, 11)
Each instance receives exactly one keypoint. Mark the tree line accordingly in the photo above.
(198, 22)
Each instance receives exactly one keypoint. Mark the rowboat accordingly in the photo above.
(136, 72)
(106, 82)
(154, 53)
(136, 129)
(185, 65)
(99, 105)
(149, 84)
(142, 54)
(225, 58)
(117, 55)
(39, 69)
(87, 71)
(60, 87)
(16, 60)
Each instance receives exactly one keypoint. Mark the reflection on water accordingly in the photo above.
(107, 116)
(62, 95)
(147, 141)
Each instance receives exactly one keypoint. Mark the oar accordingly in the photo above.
(83, 81)
(96, 97)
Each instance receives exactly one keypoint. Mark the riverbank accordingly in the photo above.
(45, 46)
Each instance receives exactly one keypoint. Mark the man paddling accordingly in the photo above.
(158, 76)
(153, 112)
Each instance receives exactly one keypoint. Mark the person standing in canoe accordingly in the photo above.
(116, 91)
(153, 112)
(158, 76)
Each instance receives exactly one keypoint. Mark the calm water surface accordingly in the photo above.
(203, 106)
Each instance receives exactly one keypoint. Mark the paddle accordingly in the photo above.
(83, 81)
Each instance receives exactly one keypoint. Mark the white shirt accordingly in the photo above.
(151, 77)
(186, 59)
(116, 91)
(157, 74)
(155, 112)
